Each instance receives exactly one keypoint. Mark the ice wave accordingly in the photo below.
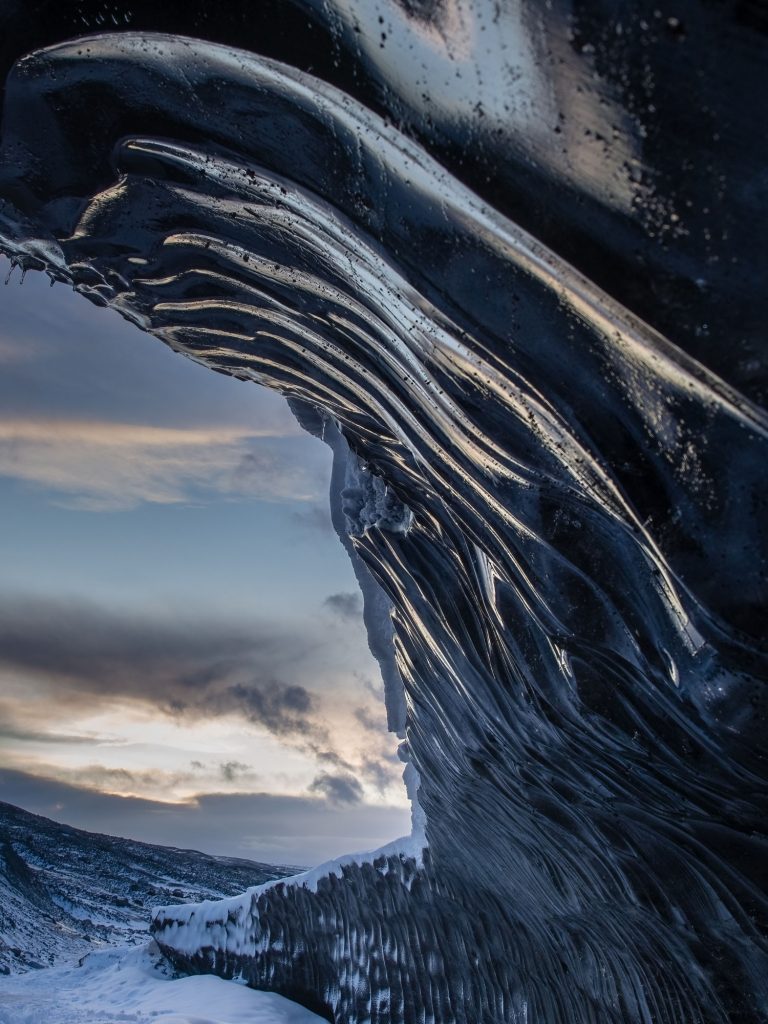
(562, 506)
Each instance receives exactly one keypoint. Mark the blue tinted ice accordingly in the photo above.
(562, 504)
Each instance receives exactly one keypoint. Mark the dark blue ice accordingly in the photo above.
(513, 271)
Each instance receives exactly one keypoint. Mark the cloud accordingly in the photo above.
(12, 352)
(101, 465)
(368, 721)
(273, 829)
(115, 780)
(346, 606)
(376, 689)
(330, 757)
(315, 518)
(230, 770)
(284, 709)
(120, 780)
(79, 655)
(22, 723)
(10, 731)
(381, 772)
(64, 661)
(380, 769)
(339, 789)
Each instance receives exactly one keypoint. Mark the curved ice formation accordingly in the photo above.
(563, 505)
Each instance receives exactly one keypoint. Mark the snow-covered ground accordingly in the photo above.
(133, 985)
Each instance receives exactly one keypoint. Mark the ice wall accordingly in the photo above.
(559, 472)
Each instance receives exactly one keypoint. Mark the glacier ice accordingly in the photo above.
(535, 345)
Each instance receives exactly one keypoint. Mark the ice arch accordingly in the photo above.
(563, 503)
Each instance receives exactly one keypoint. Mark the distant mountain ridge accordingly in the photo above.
(64, 891)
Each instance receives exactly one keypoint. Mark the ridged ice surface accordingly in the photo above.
(564, 506)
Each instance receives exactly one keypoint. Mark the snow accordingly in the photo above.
(129, 985)
(228, 923)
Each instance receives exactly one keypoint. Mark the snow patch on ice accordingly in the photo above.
(228, 924)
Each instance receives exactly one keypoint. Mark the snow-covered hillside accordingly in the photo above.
(64, 892)
(74, 941)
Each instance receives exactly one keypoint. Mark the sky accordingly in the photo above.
(182, 653)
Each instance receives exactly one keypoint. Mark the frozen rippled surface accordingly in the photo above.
(563, 499)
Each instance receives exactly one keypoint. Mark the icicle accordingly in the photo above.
(12, 267)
